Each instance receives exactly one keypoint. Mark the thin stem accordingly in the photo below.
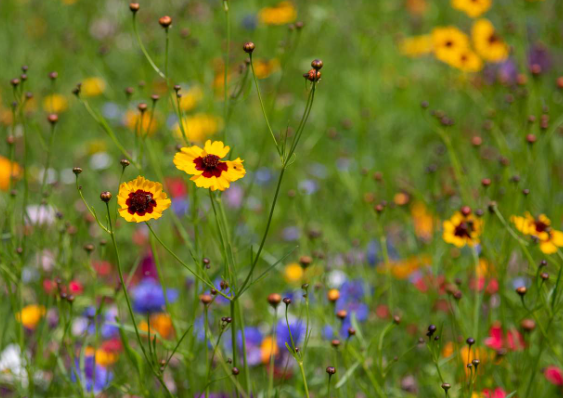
(144, 50)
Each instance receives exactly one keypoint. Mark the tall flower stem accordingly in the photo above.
(48, 162)
(226, 68)
(272, 355)
(144, 50)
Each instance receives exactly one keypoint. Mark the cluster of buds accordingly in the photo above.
(314, 75)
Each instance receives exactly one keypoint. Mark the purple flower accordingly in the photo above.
(283, 336)
(92, 381)
(148, 296)
(538, 56)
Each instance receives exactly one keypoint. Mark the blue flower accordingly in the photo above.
(148, 296)
(89, 382)
(282, 333)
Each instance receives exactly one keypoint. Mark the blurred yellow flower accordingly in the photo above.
(465, 354)
(402, 269)
(280, 14)
(142, 124)
(467, 61)
(92, 87)
(7, 167)
(423, 221)
(293, 273)
(106, 358)
(267, 349)
(30, 315)
(447, 42)
(159, 323)
(264, 68)
(416, 46)
(6, 116)
(55, 103)
(198, 127)
(540, 228)
(190, 98)
(487, 43)
(462, 229)
(472, 8)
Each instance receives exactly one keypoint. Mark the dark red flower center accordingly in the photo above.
(541, 226)
(211, 165)
(140, 202)
(449, 43)
(493, 38)
(464, 229)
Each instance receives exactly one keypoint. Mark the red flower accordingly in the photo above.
(497, 393)
(514, 341)
(554, 375)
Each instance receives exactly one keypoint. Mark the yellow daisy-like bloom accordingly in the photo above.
(6, 168)
(191, 98)
(279, 14)
(402, 269)
(31, 315)
(106, 358)
(423, 221)
(199, 127)
(466, 61)
(416, 46)
(540, 228)
(462, 229)
(473, 8)
(487, 43)
(55, 103)
(264, 68)
(92, 87)
(142, 124)
(206, 166)
(447, 42)
(293, 272)
(268, 348)
(159, 323)
(142, 200)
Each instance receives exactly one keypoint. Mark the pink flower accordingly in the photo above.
(497, 341)
(497, 393)
(554, 375)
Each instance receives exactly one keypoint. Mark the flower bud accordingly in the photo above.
(248, 47)
(105, 196)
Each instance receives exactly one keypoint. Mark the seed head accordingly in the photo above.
(248, 47)
(165, 21)
(77, 170)
(105, 196)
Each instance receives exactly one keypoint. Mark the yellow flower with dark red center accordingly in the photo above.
(472, 8)
(30, 315)
(280, 14)
(447, 42)
(198, 127)
(466, 61)
(487, 43)
(462, 229)
(8, 170)
(416, 46)
(206, 166)
(540, 228)
(140, 123)
(142, 200)
(55, 103)
(264, 68)
(92, 87)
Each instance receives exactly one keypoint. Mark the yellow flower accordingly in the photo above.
(447, 42)
(417, 7)
(267, 349)
(206, 166)
(191, 98)
(140, 123)
(30, 315)
(465, 354)
(487, 43)
(7, 168)
(466, 61)
(416, 46)
(264, 68)
(199, 127)
(280, 14)
(402, 269)
(142, 200)
(92, 87)
(105, 357)
(462, 229)
(159, 323)
(423, 221)
(473, 8)
(540, 228)
(293, 272)
(55, 103)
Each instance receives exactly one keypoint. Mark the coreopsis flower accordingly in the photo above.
(140, 123)
(206, 166)
(159, 323)
(198, 127)
(267, 349)
(540, 228)
(487, 43)
(8, 170)
(280, 14)
(92, 87)
(423, 221)
(142, 200)
(416, 46)
(466, 60)
(30, 315)
(473, 8)
(55, 103)
(447, 42)
(293, 273)
(190, 98)
(464, 228)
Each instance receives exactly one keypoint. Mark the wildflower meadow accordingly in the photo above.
(281, 199)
